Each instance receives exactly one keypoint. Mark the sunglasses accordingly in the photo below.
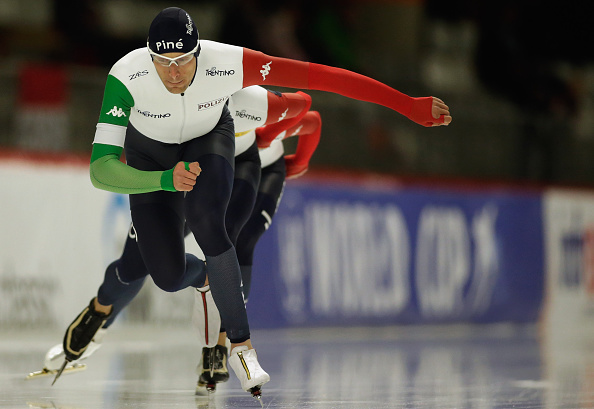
(166, 61)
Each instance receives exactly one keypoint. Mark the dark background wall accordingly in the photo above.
(518, 77)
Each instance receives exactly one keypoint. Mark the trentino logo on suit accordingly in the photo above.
(149, 114)
(214, 72)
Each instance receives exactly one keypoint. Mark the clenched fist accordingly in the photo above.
(184, 176)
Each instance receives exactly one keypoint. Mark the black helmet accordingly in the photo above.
(173, 30)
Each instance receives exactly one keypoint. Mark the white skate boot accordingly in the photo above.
(245, 364)
(54, 358)
(206, 317)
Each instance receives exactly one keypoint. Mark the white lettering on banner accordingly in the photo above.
(353, 259)
(360, 259)
(293, 269)
(444, 259)
(486, 264)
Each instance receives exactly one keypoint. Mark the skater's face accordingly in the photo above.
(176, 77)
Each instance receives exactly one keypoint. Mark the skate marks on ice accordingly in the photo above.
(405, 367)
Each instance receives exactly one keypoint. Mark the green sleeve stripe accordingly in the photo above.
(117, 103)
(109, 173)
(100, 150)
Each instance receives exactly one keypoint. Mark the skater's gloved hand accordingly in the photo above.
(430, 111)
(294, 168)
(184, 176)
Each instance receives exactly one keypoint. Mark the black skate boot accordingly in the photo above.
(81, 332)
(214, 368)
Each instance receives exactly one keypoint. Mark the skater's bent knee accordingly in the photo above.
(168, 284)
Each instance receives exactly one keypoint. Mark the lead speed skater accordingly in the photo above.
(255, 110)
(182, 67)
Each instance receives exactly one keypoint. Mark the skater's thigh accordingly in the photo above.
(243, 195)
(272, 181)
(158, 220)
(269, 194)
(130, 265)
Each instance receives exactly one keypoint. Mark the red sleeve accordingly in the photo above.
(284, 111)
(262, 69)
(309, 130)
(286, 105)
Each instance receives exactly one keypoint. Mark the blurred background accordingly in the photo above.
(518, 77)
(514, 246)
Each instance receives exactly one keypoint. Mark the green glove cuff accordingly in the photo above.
(167, 181)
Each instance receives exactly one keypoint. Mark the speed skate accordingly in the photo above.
(55, 357)
(75, 367)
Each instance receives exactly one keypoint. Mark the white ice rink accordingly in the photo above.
(399, 367)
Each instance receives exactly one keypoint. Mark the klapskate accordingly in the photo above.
(55, 357)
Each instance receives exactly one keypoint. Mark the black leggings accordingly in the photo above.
(120, 286)
(125, 276)
(243, 197)
(271, 187)
(245, 188)
(159, 218)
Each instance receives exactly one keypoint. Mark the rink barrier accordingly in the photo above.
(341, 251)
(383, 253)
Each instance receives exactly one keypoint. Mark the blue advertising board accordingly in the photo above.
(353, 255)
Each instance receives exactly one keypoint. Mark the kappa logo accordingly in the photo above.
(117, 112)
(265, 70)
(296, 132)
(283, 115)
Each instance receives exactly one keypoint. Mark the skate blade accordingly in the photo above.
(205, 389)
(257, 394)
(48, 372)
